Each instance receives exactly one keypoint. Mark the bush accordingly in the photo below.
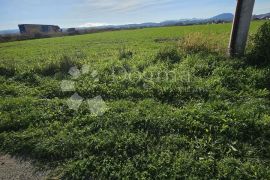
(169, 54)
(49, 70)
(66, 63)
(260, 53)
(125, 53)
(63, 66)
(7, 71)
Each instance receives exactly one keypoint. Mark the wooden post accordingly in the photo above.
(240, 29)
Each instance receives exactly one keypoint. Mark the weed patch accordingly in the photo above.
(7, 71)
(125, 53)
(168, 54)
(63, 66)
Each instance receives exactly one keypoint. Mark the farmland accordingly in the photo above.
(176, 106)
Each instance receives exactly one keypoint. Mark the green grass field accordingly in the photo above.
(176, 106)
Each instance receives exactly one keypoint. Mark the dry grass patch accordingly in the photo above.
(199, 42)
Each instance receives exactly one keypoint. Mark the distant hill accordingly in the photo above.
(262, 16)
(223, 17)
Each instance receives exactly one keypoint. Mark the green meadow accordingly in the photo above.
(174, 106)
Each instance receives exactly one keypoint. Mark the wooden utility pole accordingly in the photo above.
(241, 23)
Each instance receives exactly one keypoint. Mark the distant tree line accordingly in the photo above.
(22, 37)
(74, 31)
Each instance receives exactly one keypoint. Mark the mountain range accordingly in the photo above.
(225, 17)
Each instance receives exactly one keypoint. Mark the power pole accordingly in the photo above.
(240, 29)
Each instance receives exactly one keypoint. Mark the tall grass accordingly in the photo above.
(199, 42)
(63, 66)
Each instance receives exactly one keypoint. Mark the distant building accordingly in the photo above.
(33, 29)
(266, 17)
(72, 31)
(261, 17)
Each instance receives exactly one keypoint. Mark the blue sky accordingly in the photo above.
(75, 13)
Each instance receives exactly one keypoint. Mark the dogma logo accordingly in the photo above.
(97, 105)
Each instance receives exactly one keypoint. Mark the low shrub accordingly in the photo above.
(63, 66)
(125, 53)
(260, 53)
(169, 54)
(66, 63)
(50, 69)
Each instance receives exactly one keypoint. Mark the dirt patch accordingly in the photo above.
(163, 40)
(16, 169)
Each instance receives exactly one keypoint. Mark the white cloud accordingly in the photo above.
(121, 5)
(90, 24)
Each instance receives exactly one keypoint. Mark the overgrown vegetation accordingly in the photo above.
(7, 71)
(63, 66)
(169, 54)
(125, 53)
(200, 42)
(260, 54)
(195, 114)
